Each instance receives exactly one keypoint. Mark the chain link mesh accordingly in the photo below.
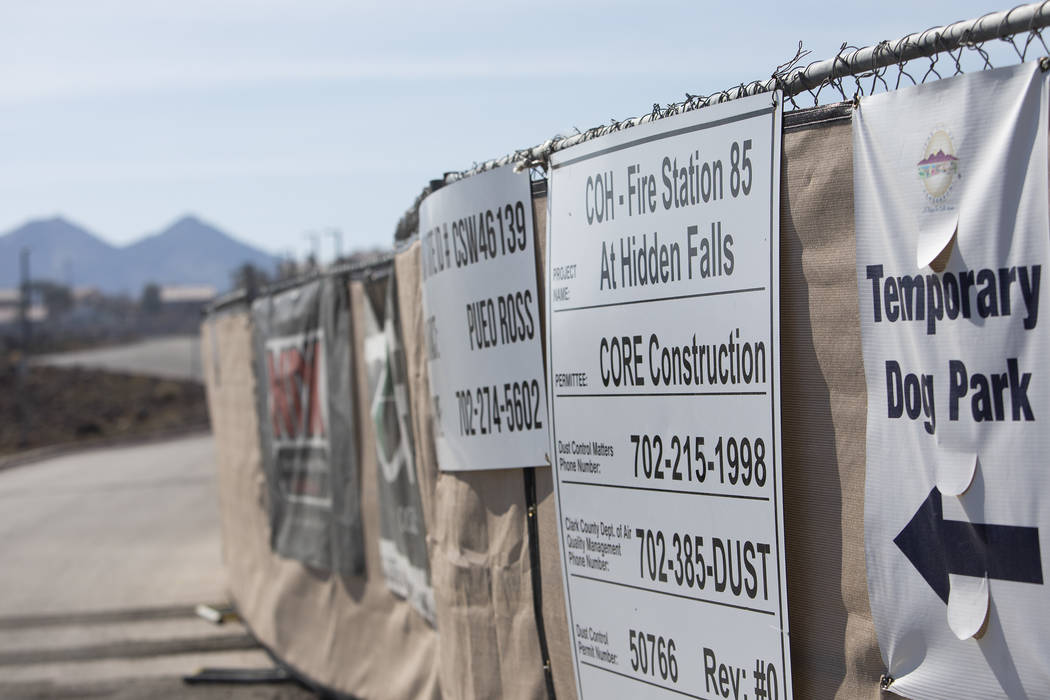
(967, 56)
(918, 58)
(994, 40)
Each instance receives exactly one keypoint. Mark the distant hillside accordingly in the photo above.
(189, 251)
(60, 251)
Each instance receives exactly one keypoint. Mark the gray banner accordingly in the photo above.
(303, 360)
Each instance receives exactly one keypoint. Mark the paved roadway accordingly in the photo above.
(103, 555)
(173, 357)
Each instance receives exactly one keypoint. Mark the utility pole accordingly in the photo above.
(315, 246)
(337, 238)
(21, 398)
(24, 300)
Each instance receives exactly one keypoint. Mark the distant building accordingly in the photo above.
(10, 304)
(186, 296)
(85, 294)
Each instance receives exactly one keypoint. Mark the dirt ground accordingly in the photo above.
(44, 406)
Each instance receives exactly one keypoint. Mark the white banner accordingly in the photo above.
(663, 334)
(402, 529)
(482, 323)
(952, 229)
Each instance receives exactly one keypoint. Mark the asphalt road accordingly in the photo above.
(173, 357)
(103, 556)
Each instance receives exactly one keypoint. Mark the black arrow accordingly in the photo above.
(937, 547)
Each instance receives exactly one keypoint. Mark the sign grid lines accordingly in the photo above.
(668, 296)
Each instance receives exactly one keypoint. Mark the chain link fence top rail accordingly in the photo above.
(992, 40)
(936, 53)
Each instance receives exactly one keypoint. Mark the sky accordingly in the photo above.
(274, 118)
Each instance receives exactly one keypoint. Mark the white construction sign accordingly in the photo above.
(952, 237)
(482, 323)
(664, 351)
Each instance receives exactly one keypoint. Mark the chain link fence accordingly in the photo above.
(993, 40)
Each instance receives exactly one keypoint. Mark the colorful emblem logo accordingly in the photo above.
(939, 167)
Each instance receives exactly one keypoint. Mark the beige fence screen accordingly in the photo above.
(353, 636)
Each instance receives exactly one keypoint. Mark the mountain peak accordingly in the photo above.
(190, 225)
(56, 220)
(53, 230)
(188, 251)
(59, 250)
(188, 220)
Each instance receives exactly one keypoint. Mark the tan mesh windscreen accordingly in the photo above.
(352, 635)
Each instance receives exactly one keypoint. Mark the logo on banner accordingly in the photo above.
(939, 167)
(387, 424)
(295, 369)
(297, 394)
